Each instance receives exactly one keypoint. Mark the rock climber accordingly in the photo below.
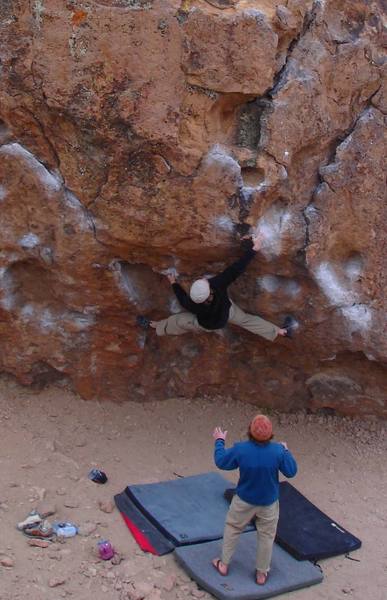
(259, 461)
(209, 307)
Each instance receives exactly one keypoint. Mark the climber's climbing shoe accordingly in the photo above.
(143, 322)
(290, 324)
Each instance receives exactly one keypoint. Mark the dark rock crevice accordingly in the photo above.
(45, 137)
(330, 160)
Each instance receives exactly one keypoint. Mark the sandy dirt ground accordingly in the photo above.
(51, 438)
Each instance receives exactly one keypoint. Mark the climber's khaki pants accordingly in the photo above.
(178, 324)
(186, 321)
(239, 515)
(252, 323)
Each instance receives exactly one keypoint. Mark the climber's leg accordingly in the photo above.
(177, 324)
(253, 323)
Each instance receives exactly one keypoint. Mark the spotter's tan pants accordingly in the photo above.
(186, 321)
(266, 520)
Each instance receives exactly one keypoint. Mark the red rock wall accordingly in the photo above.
(142, 135)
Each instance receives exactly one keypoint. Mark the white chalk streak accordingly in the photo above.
(224, 222)
(358, 314)
(270, 227)
(49, 180)
(330, 284)
(220, 156)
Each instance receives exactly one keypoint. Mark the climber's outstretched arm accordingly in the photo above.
(184, 299)
(232, 272)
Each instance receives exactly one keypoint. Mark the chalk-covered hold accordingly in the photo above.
(29, 241)
(271, 227)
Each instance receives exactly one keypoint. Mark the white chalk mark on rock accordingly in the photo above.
(357, 313)
(270, 227)
(29, 240)
(169, 271)
(55, 320)
(84, 221)
(353, 268)
(330, 284)
(50, 181)
(274, 283)
(224, 222)
(218, 154)
(247, 191)
(291, 288)
(126, 283)
(7, 287)
(269, 283)
(37, 11)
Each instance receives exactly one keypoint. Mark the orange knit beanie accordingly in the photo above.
(261, 428)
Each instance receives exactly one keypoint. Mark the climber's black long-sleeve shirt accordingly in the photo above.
(214, 315)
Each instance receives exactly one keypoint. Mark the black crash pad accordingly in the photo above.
(304, 530)
(308, 533)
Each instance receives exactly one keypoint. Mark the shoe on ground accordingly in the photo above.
(34, 518)
(40, 531)
(143, 322)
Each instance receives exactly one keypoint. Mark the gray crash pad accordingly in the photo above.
(187, 510)
(286, 573)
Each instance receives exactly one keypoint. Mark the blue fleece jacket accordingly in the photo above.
(259, 465)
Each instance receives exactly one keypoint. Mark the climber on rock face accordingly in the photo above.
(209, 307)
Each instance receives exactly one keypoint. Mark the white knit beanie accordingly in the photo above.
(200, 290)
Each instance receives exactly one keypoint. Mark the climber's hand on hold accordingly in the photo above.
(257, 242)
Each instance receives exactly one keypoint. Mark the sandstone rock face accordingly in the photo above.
(138, 136)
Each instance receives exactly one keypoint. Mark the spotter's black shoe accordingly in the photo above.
(143, 322)
(290, 324)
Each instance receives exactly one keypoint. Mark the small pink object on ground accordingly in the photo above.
(105, 550)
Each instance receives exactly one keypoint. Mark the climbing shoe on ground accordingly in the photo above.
(97, 476)
(143, 322)
(290, 324)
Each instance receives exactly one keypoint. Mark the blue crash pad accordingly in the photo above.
(187, 510)
(286, 573)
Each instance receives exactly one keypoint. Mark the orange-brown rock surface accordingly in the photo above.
(142, 135)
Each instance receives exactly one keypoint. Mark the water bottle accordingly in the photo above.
(105, 550)
(65, 529)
